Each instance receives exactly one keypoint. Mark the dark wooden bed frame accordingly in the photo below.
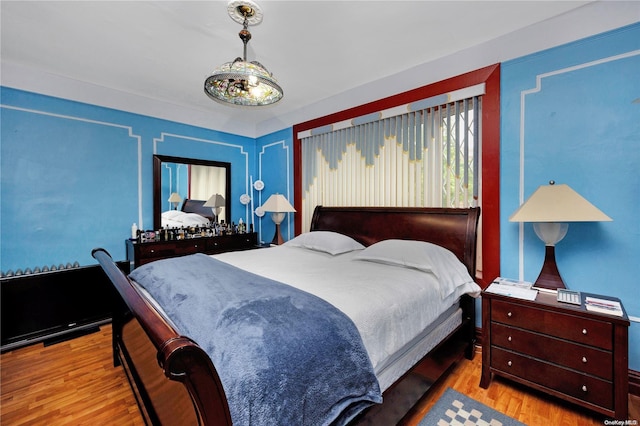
(175, 381)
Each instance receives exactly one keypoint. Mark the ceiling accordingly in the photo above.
(161, 51)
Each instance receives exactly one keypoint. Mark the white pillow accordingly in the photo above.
(325, 241)
(423, 256)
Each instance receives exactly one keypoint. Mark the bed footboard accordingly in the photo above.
(178, 360)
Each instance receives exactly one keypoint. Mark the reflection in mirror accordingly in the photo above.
(181, 187)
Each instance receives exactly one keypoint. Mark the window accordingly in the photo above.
(483, 123)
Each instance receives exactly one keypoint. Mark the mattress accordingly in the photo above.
(396, 310)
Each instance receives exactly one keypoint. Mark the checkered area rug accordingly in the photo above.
(456, 409)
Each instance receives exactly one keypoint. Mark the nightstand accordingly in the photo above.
(557, 348)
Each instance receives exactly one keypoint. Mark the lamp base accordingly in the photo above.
(550, 276)
(277, 237)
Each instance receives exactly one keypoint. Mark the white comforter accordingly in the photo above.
(180, 219)
(390, 305)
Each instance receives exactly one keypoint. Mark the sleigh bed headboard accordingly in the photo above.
(452, 228)
(197, 206)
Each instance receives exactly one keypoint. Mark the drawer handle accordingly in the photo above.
(153, 251)
(509, 363)
(584, 359)
(195, 246)
(584, 388)
(509, 338)
(584, 331)
(509, 314)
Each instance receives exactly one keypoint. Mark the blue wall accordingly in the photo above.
(572, 114)
(274, 165)
(75, 176)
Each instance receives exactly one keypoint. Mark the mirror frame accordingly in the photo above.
(157, 182)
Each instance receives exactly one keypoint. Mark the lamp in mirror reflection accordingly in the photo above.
(241, 82)
(175, 199)
(216, 202)
(278, 206)
(550, 207)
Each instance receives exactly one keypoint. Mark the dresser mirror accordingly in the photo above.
(192, 179)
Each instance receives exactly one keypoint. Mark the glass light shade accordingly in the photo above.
(243, 83)
(551, 233)
(277, 217)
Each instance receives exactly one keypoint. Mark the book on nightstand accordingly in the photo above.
(512, 282)
(603, 306)
(512, 288)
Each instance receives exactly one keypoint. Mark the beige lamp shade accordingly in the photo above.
(278, 203)
(216, 200)
(175, 198)
(557, 203)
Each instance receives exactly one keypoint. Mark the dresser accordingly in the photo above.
(557, 348)
(141, 253)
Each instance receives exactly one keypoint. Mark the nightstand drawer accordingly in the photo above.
(232, 242)
(567, 354)
(568, 382)
(565, 326)
(191, 246)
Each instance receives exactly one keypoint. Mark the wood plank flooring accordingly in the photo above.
(69, 383)
(526, 405)
(75, 383)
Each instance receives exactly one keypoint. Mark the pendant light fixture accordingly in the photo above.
(240, 82)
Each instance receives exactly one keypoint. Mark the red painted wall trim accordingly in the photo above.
(490, 151)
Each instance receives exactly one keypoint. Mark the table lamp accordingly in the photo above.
(278, 205)
(175, 199)
(550, 207)
(216, 202)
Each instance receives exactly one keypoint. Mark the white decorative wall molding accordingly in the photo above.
(129, 129)
(274, 145)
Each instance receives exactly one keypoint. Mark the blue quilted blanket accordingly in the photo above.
(285, 357)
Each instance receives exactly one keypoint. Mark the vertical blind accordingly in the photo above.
(423, 158)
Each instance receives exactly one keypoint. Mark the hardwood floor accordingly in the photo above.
(75, 383)
(69, 383)
(526, 405)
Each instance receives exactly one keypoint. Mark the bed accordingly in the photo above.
(179, 379)
(192, 213)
